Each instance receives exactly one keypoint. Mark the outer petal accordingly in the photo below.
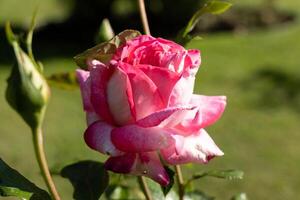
(100, 74)
(145, 164)
(121, 164)
(119, 97)
(148, 164)
(145, 93)
(92, 117)
(210, 109)
(198, 148)
(193, 59)
(166, 116)
(98, 137)
(134, 138)
(85, 88)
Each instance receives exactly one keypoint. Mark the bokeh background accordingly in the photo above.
(251, 54)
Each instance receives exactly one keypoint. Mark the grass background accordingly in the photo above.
(259, 132)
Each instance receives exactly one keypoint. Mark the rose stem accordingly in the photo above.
(180, 181)
(145, 188)
(40, 155)
(144, 17)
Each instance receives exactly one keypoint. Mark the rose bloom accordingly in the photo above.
(141, 110)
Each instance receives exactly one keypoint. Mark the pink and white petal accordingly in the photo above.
(168, 116)
(135, 139)
(85, 88)
(163, 78)
(149, 165)
(182, 91)
(145, 93)
(98, 137)
(195, 148)
(144, 164)
(193, 59)
(100, 75)
(210, 109)
(92, 117)
(119, 97)
(121, 164)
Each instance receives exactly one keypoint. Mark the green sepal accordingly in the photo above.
(171, 174)
(103, 52)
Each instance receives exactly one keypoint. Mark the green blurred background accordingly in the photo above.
(254, 62)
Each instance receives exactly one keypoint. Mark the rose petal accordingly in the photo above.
(119, 97)
(84, 83)
(121, 164)
(98, 137)
(183, 90)
(148, 164)
(92, 117)
(210, 109)
(100, 75)
(144, 164)
(163, 78)
(134, 138)
(193, 59)
(198, 148)
(145, 93)
(170, 116)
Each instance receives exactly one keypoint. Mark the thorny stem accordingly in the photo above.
(41, 158)
(143, 15)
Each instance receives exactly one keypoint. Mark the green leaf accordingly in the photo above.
(197, 195)
(210, 6)
(103, 52)
(171, 174)
(27, 90)
(241, 196)
(214, 7)
(116, 192)
(12, 183)
(65, 80)
(105, 32)
(225, 174)
(89, 179)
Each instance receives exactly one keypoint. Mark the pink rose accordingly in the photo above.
(141, 105)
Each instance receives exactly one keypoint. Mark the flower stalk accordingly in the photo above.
(145, 23)
(180, 180)
(145, 188)
(41, 158)
(143, 15)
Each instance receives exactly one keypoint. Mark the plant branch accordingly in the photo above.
(145, 188)
(181, 185)
(143, 15)
(41, 158)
